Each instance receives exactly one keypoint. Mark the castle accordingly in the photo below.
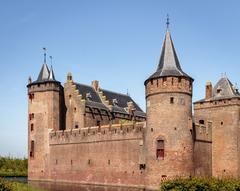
(86, 134)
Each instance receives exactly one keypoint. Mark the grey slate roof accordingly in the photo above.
(94, 101)
(169, 64)
(51, 75)
(44, 73)
(122, 99)
(224, 89)
(85, 89)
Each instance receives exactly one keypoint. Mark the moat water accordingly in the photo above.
(49, 186)
(76, 187)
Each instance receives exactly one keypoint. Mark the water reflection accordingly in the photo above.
(76, 187)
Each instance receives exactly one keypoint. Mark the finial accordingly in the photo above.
(168, 22)
(51, 60)
(29, 80)
(45, 54)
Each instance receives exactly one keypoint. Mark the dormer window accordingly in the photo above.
(88, 96)
(115, 102)
(219, 90)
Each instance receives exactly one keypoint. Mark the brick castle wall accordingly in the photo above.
(106, 155)
(169, 118)
(223, 116)
(44, 116)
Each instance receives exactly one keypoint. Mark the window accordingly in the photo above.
(32, 149)
(31, 116)
(179, 80)
(171, 100)
(151, 82)
(219, 90)
(201, 122)
(31, 96)
(32, 127)
(160, 149)
(98, 123)
(142, 166)
(76, 126)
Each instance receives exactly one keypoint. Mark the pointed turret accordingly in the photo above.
(44, 73)
(169, 64)
(51, 75)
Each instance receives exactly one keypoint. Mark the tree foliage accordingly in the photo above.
(13, 166)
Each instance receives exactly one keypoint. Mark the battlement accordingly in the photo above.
(104, 133)
(216, 103)
(203, 132)
(47, 86)
(169, 84)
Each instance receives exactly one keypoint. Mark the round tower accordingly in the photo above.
(168, 140)
(45, 113)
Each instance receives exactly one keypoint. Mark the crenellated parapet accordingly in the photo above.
(116, 132)
(217, 103)
(203, 132)
(169, 85)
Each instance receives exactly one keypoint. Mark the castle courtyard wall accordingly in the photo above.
(110, 155)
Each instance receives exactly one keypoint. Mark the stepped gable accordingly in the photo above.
(169, 64)
(120, 102)
(91, 96)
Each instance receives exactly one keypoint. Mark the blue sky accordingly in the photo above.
(117, 42)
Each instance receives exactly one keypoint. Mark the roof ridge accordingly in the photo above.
(115, 92)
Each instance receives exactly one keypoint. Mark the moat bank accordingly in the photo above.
(51, 186)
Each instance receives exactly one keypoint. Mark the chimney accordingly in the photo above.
(95, 85)
(69, 77)
(208, 90)
(131, 107)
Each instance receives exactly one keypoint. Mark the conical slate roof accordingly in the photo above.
(51, 75)
(44, 73)
(168, 64)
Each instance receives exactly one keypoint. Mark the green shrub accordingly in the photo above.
(201, 184)
(5, 186)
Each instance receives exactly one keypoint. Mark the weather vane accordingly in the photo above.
(44, 50)
(167, 23)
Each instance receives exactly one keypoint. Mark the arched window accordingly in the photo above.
(160, 149)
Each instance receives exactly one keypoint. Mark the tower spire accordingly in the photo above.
(51, 74)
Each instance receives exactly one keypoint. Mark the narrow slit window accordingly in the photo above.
(172, 100)
(32, 149)
(98, 123)
(160, 149)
